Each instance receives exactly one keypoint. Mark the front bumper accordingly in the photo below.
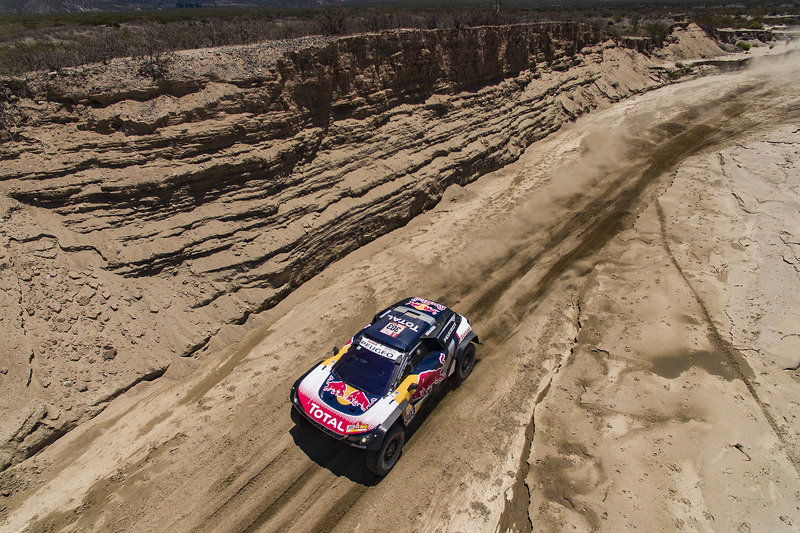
(370, 440)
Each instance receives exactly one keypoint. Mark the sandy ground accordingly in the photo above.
(127, 254)
(634, 280)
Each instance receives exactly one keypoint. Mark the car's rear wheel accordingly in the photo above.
(381, 461)
(464, 364)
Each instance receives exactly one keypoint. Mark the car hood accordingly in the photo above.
(339, 407)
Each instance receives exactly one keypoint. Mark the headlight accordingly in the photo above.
(361, 439)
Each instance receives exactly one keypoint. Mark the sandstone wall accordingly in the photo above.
(148, 206)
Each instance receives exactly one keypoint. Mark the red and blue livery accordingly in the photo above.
(373, 387)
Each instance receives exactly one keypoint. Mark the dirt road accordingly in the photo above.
(537, 254)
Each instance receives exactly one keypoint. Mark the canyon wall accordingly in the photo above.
(149, 207)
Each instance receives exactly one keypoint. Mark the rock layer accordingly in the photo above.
(147, 205)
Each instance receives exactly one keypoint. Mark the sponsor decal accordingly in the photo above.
(426, 306)
(393, 329)
(409, 414)
(449, 332)
(354, 428)
(337, 388)
(318, 414)
(359, 399)
(347, 394)
(462, 332)
(407, 323)
(379, 349)
(429, 378)
(325, 415)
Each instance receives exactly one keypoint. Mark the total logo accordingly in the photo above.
(347, 395)
(322, 417)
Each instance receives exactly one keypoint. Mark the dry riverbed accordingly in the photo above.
(634, 278)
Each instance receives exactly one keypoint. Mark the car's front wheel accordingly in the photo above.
(381, 461)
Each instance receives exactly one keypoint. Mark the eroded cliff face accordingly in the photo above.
(149, 207)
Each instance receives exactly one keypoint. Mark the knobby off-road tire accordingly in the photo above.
(464, 365)
(381, 461)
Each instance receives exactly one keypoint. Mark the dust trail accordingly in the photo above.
(592, 197)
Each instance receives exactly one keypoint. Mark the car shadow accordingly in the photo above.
(340, 458)
(344, 460)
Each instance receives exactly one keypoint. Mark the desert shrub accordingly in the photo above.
(11, 115)
(374, 20)
(54, 41)
(658, 31)
(433, 22)
(458, 20)
(156, 67)
(333, 21)
(743, 45)
(635, 25)
(683, 68)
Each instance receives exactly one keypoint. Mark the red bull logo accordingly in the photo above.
(337, 388)
(429, 378)
(426, 306)
(423, 307)
(359, 399)
(347, 395)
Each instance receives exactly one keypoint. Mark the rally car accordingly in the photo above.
(375, 385)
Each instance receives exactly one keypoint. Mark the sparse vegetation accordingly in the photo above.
(743, 45)
(54, 41)
(156, 67)
(683, 68)
(11, 115)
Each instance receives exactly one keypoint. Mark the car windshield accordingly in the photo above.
(366, 370)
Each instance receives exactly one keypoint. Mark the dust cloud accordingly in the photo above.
(590, 192)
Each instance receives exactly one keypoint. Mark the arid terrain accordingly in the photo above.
(178, 248)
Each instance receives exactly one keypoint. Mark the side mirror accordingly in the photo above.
(335, 350)
(413, 386)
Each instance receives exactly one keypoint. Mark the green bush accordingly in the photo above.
(685, 69)
(658, 31)
(743, 45)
